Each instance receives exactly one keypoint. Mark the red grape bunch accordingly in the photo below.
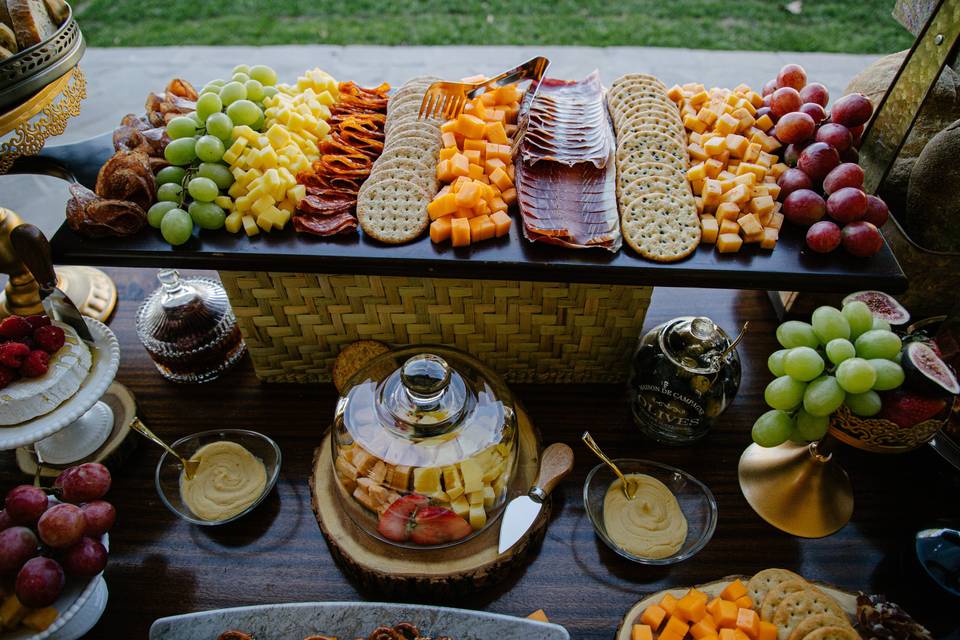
(823, 188)
(43, 541)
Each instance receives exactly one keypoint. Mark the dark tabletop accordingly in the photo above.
(162, 566)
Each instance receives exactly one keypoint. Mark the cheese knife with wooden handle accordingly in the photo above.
(555, 463)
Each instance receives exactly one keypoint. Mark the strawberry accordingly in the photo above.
(907, 409)
(7, 375)
(397, 521)
(35, 365)
(49, 338)
(38, 321)
(437, 525)
(15, 327)
(12, 354)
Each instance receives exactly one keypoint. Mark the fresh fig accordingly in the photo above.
(882, 305)
(926, 372)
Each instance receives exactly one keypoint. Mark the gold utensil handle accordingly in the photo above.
(537, 65)
(138, 426)
(593, 446)
(555, 463)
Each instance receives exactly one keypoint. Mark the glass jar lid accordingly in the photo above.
(425, 406)
(696, 344)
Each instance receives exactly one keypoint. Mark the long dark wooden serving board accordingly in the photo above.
(789, 267)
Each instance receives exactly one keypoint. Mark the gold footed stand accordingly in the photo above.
(797, 488)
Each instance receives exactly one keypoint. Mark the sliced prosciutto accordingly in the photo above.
(565, 173)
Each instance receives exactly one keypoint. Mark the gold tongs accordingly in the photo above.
(447, 99)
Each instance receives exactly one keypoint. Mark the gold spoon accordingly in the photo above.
(629, 485)
(189, 466)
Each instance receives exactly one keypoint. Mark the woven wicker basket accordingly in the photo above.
(294, 324)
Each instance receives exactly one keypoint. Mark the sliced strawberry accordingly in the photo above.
(437, 525)
(398, 520)
(907, 409)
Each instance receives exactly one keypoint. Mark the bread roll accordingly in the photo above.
(5, 53)
(7, 40)
(31, 22)
(57, 10)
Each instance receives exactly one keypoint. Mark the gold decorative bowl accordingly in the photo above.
(879, 435)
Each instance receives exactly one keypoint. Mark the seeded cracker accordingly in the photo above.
(660, 227)
(393, 211)
(763, 581)
(354, 357)
(817, 621)
(797, 606)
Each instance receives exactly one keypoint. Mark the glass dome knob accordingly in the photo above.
(425, 377)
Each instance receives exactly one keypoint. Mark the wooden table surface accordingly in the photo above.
(160, 565)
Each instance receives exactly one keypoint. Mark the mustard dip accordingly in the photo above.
(649, 526)
(228, 480)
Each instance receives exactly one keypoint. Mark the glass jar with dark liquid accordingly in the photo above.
(682, 379)
(188, 328)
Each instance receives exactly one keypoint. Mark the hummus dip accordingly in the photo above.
(228, 480)
(649, 526)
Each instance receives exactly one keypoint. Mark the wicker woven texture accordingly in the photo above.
(295, 324)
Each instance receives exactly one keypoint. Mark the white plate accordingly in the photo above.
(76, 593)
(350, 620)
(102, 373)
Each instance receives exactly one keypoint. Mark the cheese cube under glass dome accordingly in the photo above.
(424, 447)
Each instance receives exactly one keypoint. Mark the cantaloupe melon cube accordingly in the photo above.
(709, 229)
(440, 229)
(729, 243)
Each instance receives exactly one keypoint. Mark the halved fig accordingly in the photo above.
(882, 305)
(926, 372)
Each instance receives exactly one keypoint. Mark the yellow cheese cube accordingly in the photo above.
(427, 479)
(489, 497)
(243, 131)
(250, 226)
(242, 204)
(278, 136)
(264, 221)
(475, 498)
(224, 202)
(697, 172)
(478, 516)
(461, 506)
(472, 474)
(454, 492)
(297, 193)
(709, 229)
(287, 205)
(233, 222)
(750, 224)
(769, 239)
(262, 204)
(236, 190)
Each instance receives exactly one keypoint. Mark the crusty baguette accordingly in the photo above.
(7, 40)
(57, 10)
(31, 22)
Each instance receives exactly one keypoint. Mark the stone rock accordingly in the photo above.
(941, 108)
(933, 197)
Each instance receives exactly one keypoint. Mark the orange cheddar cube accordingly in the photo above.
(511, 171)
(511, 111)
(712, 607)
(752, 153)
(691, 607)
(693, 123)
(764, 122)
(675, 626)
(740, 635)
(745, 601)
(495, 132)
(460, 232)
(695, 151)
(478, 109)
(747, 178)
(705, 627)
(459, 182)
(481, 208)
(727, 211)
(768, 631)
(539, 615)
(445, 189)
(698, 204)
(444, 205)
(726, 124)
(488, 98)
(445, 171)
(712, 192)
(497, 204)
(475, 145)
(459, 165)
(475, 172)
(761, 205)
(473, 156)
(709, 229)
(496, 114)
(748, 621)
(715, 146)
(448, 126)
(776, 220)
(447, 152)
(697, 172)
(508, 94)
(501, 222)
(748, 167)
(468, 195)
(653, 616)
(713, 167)
(448, 139)
(641, 632)
(469, 126)
(509, 195)
(481, 228)
(738, 194)
(501, 151)
(726, 616)
(768, 241)
(727, 634)
(750, 224)
(707, 115)
(500, 178)
(777, 169)
(728, 243)
(464, 213)
(669, 604)
(440, 229)
(492, 164)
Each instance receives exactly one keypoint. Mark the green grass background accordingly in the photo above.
(855, 26)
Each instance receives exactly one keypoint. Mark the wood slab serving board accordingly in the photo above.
(395, 572)
(788, 267)
(847, 601)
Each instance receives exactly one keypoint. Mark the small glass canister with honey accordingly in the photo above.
(686, 372)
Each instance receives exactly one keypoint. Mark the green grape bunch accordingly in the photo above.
(842, 357)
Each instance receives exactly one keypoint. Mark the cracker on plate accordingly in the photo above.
(393, 211)
(354, 357)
